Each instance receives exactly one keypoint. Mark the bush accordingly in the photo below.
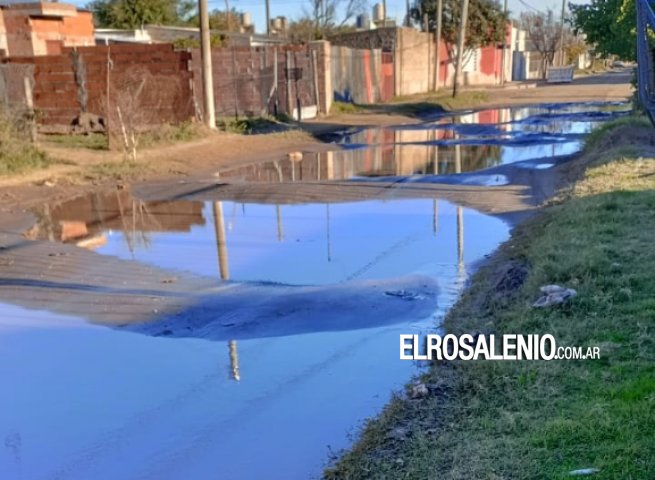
(17, 153)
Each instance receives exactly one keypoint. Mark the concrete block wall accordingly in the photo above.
(414, 61)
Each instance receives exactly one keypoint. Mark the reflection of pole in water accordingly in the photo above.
(435, 216)
(234, 360)
(460, 239)
(458, 158)
(278, 169)
(280, 227)
(221, 244)
(329, 242)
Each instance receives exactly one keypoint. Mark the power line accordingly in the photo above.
(526, 4)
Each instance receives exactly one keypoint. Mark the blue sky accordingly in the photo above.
(293, 9)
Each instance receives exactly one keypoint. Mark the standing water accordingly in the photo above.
(87, 401)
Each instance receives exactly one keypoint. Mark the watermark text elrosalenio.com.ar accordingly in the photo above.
(490, 347)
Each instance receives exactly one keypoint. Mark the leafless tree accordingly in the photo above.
(544, 32)
(335, 13)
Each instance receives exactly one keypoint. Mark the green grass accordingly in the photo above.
(442, 99)
(539, 420)
(162, 135)
(170, 134)
(17, 154)
(118, 170)
(93, 141)
(345, 107)
(255, 125)
(596, 137)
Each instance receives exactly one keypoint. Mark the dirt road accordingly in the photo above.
(44, 273)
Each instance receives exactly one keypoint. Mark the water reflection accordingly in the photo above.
(221, 244)
(86, 220)
(325, 243)
(191, 410)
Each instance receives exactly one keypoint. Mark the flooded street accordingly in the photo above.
(259, 373)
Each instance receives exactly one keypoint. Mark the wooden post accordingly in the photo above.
(502, 59)
(295, 76)
(315, 77)
(29, 103)
(275, 84)
(207, 72)
(288, 83)
(235, 84)
(561, 35)
(461, 42)
(437, 43)
(426, 27)
(108, 123)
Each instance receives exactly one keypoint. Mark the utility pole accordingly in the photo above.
(384, 13)
(460, 45)
(426, 27)
(502, 59)
(561, 35)
(408, 19)
(229, 16)
(437, 41)
(268, 17)
(207, 75)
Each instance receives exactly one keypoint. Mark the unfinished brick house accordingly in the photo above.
(42, 28)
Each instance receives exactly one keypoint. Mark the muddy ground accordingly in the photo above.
(200, 158)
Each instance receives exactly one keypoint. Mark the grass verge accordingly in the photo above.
(345, 107)
(93, 141)
(117, 170)
(256, 125)
(17, 154)
(162, 135)
(539, 419)
(418, 105)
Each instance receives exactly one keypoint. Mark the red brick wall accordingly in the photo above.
(166, 99)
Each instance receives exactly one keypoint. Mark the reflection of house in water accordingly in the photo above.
(84, 220)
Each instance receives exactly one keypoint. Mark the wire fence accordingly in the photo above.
(259, 81)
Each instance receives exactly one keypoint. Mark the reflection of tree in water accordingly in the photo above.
(136, 222)
(82, 219)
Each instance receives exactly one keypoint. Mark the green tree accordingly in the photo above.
(610, 25)
(136, 13)
(486, 22)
